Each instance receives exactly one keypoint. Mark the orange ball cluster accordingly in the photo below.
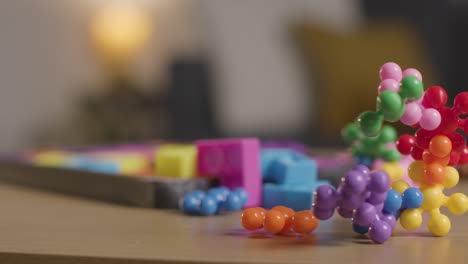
(279, 220)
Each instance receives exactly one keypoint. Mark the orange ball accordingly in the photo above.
(262, 211)
(274, 221)
(304, 222)
(288, 214)
(252, 219)
(440, 146)
(434, 173)
(430, 158)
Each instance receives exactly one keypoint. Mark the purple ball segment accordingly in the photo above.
(360, 196)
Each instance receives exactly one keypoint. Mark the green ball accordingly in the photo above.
(356, 151)
(389, 102)
(351, 133)
(387, 134)
(391, 155)
(411, 88)
(394, 116)
(370, 123)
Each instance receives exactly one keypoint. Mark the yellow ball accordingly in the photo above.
(411, 219)
(400, 186)
(433, 198)
(393, 169)
(451, 177)
(439, 225)
(416, 170)
(457, 203)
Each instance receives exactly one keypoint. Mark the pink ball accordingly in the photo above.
(430, 119)
(390, 70)
(389, 84)
(412, 72)
(412, 114)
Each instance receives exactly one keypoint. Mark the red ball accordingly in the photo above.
(460, 104)
(435, 97)
(465, 127)
(463, 157)
(423, 137)
(449, 121)
(417, 153)
(458, 142)
(454, 158)
(405, 143)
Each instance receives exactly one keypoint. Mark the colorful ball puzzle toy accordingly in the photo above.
(375, 200)
(435, 147)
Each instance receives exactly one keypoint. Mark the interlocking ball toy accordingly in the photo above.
(436, 152)
(212, 202)
(279, 220)
(360, 196)
(368, 135)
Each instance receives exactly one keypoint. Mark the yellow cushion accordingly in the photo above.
(346, 67)
(176, 161)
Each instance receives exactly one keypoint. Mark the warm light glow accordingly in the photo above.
(120, 31)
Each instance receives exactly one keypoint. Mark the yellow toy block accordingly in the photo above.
(51, 158)
(176, 161)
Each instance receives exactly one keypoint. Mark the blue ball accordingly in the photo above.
(360, 229)
(393, 202)
(364, 160)
(223, 190)
(216, 194)
(412, 198)
(242, 194)
(199, 194)
(190, 204)
(233, 202)
(208, 206)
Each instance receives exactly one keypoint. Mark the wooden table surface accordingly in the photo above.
(43, 227)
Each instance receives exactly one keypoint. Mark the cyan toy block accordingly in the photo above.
(176, 161)
(296, 197)
(92, 164)
(127, 163)
(235, 161)
(288, 167)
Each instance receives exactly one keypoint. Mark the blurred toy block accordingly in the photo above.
(126, 164)
(287, 145)
(50, 158)
(176, 161)
(235, 161)
(287, 167)
(296, 197)
(129, 163)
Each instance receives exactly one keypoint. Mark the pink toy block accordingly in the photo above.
(235, 161)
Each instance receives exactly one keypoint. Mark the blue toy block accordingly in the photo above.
(296, 197)
(90, 164)
(287, 167)
(269, 155)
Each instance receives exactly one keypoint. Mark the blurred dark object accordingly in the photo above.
(442, 25)
(123, 113)
(189, 101)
